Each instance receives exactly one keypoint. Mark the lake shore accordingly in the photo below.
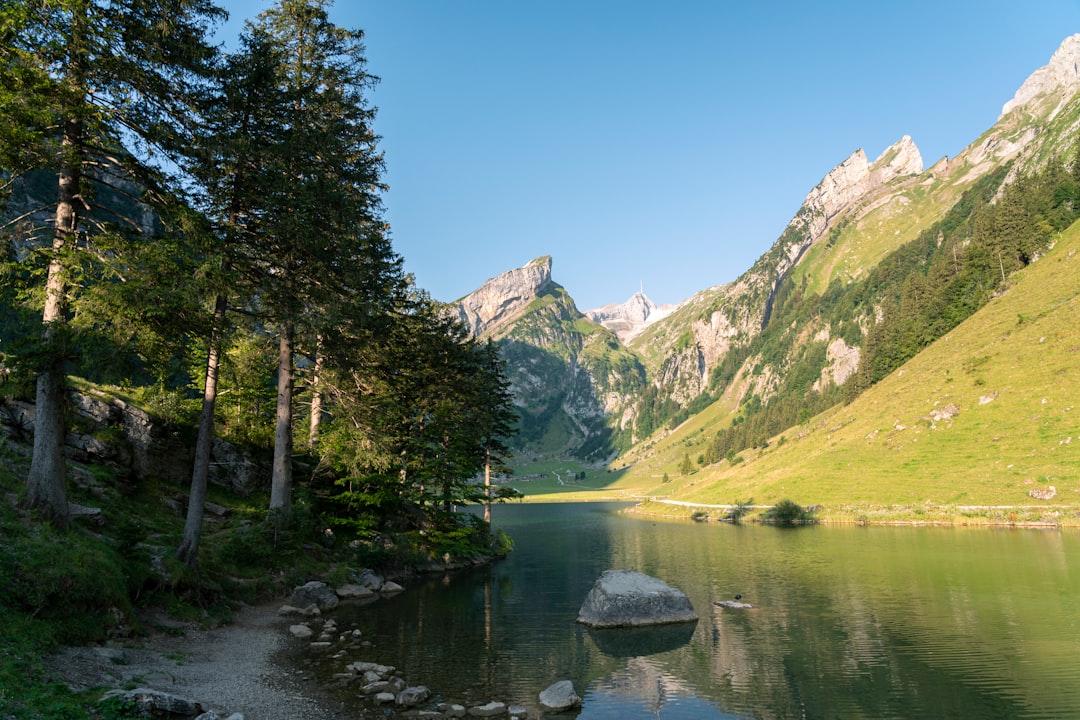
(244, 667)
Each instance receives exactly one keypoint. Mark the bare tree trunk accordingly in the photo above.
(487, 488)
(315, 421)
(46, 484)
(281, 480)
(188, 552)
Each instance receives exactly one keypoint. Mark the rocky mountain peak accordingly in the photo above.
(499, 300)
(1060, 77)
(629, 318)
(854, 178)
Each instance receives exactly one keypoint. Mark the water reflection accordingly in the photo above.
(849, 623)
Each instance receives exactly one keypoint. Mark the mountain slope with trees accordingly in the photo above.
(882, 259)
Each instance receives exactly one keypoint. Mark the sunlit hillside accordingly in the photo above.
(986, 416)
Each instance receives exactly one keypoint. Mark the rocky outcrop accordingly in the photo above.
(315, 593)
(628, 319)
(625, 598)
(842, 360)
(110, 431)
(849, 183)
(1058, 79)
(501, 299)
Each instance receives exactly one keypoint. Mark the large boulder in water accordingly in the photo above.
(624, 598)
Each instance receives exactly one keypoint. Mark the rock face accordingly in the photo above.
(625, 598)
(565, 371)
(628, 319)
(115, 433)
(1060, 77)
(502, 298)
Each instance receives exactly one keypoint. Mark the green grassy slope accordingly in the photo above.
(981, 418)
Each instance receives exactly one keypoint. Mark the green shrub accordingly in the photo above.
(788, 512)
(739, 510)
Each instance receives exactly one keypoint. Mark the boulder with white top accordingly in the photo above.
(625, 598)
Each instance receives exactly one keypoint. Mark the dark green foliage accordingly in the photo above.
(788, 512)
(955, 267)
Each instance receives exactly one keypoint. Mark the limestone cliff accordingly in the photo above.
(1058, 80)
(568, 374)
(725, 316)
(500, 300)
(628, 319)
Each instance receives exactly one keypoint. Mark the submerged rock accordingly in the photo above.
(734, 604)
(625, 598)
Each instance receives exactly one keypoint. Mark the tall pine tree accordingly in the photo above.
(109, 96)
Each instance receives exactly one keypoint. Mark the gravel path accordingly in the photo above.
(242, 667)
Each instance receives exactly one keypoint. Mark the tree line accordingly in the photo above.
(199, 223)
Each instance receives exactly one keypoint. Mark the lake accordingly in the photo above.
(850, 622)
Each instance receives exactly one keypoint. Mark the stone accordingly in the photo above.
(412, 696)
(454, 710)
(491, 709)
(559, 697)
(369, 580)
(385, 698)
(301, 632)
(517, 711)
(382, 671)
(315, 593)
(390, 588)
(290, 610)
(625, 598)
(351, 591)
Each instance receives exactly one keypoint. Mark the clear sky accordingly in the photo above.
(665, 144)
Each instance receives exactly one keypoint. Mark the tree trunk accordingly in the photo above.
(487, 488)
(188, 552)
(315, 421)
(46, 484)
(281, 480)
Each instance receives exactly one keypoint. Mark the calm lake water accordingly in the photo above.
(852, 622)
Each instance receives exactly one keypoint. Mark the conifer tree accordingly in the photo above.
(327, 258)
(104, 88)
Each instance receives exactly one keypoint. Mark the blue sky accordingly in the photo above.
(661, 143)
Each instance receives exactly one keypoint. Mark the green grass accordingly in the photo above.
(1011, 370)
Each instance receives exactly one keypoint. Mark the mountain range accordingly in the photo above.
(802, 329)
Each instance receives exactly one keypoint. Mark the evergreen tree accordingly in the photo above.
(108, 101)
(327, 258)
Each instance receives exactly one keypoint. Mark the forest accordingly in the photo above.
(202, 231)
